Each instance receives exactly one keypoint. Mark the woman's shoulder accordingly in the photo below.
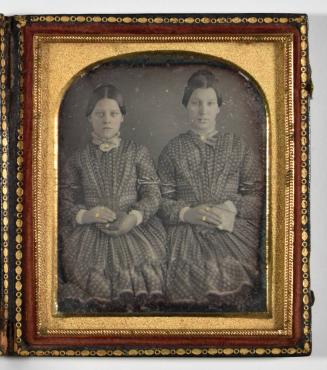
(134, 149)
(235, 139)
(81, 154)
(73, 161)
(131, 145)
(176, 142)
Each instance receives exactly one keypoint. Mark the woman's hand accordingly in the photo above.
(221, 216)
(99, 215)
(202, 215)
(124, 224)
(227, 213)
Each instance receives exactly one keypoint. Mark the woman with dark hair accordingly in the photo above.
(212, 203)
(114, 252)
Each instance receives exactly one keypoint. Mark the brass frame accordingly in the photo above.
(45, 176)
(289, 161)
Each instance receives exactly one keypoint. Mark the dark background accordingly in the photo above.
(152, 85)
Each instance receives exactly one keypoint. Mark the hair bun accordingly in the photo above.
(202, 78)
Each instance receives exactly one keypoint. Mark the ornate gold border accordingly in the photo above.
(290, 167)
(19, 199)
(163, 19)
(305, 229)
(286, 41)
(4, 180)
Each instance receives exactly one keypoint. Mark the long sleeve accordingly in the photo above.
(249, 199)
(149, 196)
(71, 192)
(170, 207)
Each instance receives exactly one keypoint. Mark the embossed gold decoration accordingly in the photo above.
(19, 200)
(4, 181)
(278, 61)
(305, 185)
(166, 20)
(69, 59)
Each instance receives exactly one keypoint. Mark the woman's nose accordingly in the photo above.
(106, 118)
(202, 109)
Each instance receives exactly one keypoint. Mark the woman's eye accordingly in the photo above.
(114, 114)
(99, 114)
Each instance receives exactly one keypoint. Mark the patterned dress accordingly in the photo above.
(210, 266)
(99, 267)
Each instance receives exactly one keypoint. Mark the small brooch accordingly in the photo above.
(105, 147)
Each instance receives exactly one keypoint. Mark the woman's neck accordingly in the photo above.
(204, 133)
(104, 139)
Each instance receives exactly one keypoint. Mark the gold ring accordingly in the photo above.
(97, 215)
(207, 209)
(204, 218)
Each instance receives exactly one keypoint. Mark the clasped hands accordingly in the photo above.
(109, 222)
(221, 216)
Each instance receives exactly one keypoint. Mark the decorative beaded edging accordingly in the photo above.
(178, 352)
(287, 42)
(19, 202)
(160, 20)
(4, 180)
(305, 230)
(260, 351)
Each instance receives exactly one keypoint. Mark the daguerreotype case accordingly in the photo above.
(155, 185)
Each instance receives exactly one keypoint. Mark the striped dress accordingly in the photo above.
(210, 266)
(125, 269)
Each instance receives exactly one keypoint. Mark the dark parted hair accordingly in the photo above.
(106, 91)
(201, 79)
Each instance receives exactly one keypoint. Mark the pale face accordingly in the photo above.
(106, 118)
(202, 110)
